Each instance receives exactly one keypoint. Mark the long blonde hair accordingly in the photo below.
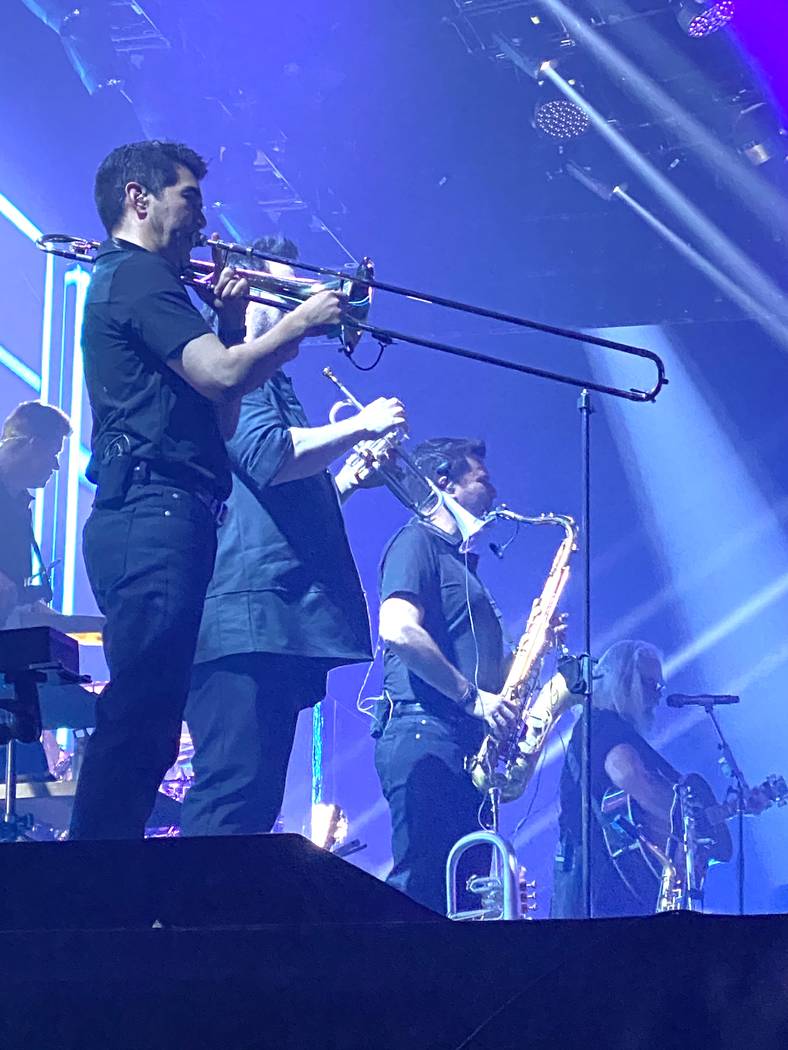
(618, 685)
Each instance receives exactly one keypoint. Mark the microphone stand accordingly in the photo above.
(585, 408)
(733, 770)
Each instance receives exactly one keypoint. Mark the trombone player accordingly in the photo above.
(163, 388)
(443, 660)
(285, 604)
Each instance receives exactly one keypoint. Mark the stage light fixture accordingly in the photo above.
(85, 31)
(699, 18)
(560, 119)
(758, 136)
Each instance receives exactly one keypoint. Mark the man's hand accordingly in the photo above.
(497, 711)
(8, 596)
(381, 416)
(319, 310)
(226, 293)
(360, 471)
(375, 420)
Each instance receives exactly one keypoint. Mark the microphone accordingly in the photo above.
(699, 699)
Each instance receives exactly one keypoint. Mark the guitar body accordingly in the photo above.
(628, 832)
(639, 846)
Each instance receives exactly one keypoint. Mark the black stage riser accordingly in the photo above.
(339, 961)
(232, 881)
(656, 984)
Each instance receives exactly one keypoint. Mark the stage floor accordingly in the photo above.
(664, 982)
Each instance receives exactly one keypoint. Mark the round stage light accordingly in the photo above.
(699, 18)
(561, 119)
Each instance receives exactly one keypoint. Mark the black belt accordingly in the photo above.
(143, 474)
(415, 707)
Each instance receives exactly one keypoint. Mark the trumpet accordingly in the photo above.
(358, 288)
(400, 474)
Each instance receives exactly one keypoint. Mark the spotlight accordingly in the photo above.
(560, 119)
(700, 18)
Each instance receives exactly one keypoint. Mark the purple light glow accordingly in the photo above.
(762, 29)
(712, 19)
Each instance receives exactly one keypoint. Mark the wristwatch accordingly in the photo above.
(468, 699)
(232, 336)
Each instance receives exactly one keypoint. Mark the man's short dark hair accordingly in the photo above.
(34, 419)
(153, 164)
(276, 244)
(447, 456)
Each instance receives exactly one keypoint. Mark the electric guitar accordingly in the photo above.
(637, 843)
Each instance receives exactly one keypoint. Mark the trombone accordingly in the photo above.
(287, 293)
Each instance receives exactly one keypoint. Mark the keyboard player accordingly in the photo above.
(31, 441)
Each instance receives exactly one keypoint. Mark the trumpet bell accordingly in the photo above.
(469, 525)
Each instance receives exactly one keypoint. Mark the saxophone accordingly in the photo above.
(506, 765)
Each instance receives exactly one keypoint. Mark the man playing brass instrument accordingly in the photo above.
(285, 604)
(443, 663)
(163, 390)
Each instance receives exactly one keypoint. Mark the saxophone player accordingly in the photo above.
(443, 659)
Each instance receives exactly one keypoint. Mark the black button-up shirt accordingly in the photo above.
(138, 316)
(284, 581)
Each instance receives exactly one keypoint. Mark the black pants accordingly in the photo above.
(242, 714)
(149, 562)
(421, 764)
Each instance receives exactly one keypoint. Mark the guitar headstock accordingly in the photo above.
(772, 792)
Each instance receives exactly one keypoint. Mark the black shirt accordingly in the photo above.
(425, 563)
(608, 729)
(284, 581)
(17, 531)
(138, 316)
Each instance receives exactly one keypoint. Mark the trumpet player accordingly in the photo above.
(285, 604)
(160, 382)
(443, 661)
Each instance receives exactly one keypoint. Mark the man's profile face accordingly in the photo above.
(37, 459)
(474, 489)
(652, 686)
(176, 217)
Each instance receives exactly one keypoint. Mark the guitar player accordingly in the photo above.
(628, 686)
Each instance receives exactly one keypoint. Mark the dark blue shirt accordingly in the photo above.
(17, 529)
(285, 580)
(138, 316)
(425, 564)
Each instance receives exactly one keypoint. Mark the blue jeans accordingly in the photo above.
(149, 562)
(420, 760)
